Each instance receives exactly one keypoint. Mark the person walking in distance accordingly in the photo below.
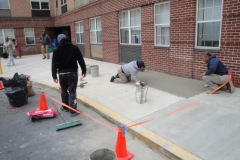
(45, 40)
(9, 48)
(65, 60)
(17, 52)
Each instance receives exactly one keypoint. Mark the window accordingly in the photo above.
(79, 32)
(6, 33)
(162, 24)
(4, 4)
(63, 2)
(96, 30)
(29, 36)
(130, 26)
(209, 19)
(40, 4)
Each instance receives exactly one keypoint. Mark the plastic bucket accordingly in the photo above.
(141, 93)
(94, 70)
(103, 154)
(88, 69)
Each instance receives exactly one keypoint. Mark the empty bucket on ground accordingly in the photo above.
(103, 154)
(141, 93)
(88, 71)
(94, 70)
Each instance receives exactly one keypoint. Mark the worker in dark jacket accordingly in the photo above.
(65, 60)
(216, 74)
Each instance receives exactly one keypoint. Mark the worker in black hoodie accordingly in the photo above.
(64, 62)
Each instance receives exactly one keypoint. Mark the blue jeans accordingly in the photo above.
(68, 83)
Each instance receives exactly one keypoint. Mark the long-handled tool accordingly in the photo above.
(66, 124)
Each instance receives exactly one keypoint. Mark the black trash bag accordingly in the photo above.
(16, 90)
(5, 55)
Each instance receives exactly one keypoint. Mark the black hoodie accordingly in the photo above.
(65, 58)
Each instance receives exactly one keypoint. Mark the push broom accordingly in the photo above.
(66, 124)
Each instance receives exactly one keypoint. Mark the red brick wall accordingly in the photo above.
(20, 8)
(18, 24)
(179, 59)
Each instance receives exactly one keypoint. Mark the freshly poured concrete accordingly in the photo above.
(207, 129)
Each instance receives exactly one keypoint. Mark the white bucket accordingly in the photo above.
(94, 70)
(141, 93)
(88, 69)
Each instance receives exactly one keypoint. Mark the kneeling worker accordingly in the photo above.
(126, 71)
(216, 74)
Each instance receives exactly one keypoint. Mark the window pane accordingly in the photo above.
(135, 17)
(44, 5)
(81, 27)
(200, 14)
(208, 34)
(99, 36)
(209, 3)
(99, 25)
(124, 35)
(93, 37)
(124, 19)
(30, 40)
(77, 37)
(201, 4)
(9, 33)
(92, 22)
(35, 5)
(135, 35)
(4, 4)
(208, 14)
(77, 27)
(217, 13)
(217, 2)
(82, 37)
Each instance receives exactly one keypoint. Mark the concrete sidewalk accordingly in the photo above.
(188, 123)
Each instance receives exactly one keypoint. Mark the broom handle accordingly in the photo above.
(60, 113)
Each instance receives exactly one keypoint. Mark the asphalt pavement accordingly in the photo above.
(183, 122)
(22, 139)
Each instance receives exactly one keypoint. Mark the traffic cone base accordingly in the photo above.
(43, 103)
(129, 156)
(1, 86)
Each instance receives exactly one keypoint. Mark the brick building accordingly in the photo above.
(169, 35)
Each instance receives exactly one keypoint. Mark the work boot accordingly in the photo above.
(117, 76)
(48, 57)
(64, 109)
(44, 57)
(230, 87)
(112, 79)
(72, 113)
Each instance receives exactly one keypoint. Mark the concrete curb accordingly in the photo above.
(153, 140)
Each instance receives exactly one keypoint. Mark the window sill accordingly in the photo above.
(161, 47)
(207, 49)
(127, 44)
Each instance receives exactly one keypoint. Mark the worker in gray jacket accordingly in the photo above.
(126, 71)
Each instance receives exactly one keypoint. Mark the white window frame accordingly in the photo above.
(214, 20)
(63, 2)
(129, 27)
(29, 36)
(8, 5)
(79, 30)
(5, 35)
(161, 25)
(95, 30)
(40, 5)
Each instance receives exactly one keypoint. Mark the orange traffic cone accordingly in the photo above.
(121, 148)
(43, 103)
(1, 85)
